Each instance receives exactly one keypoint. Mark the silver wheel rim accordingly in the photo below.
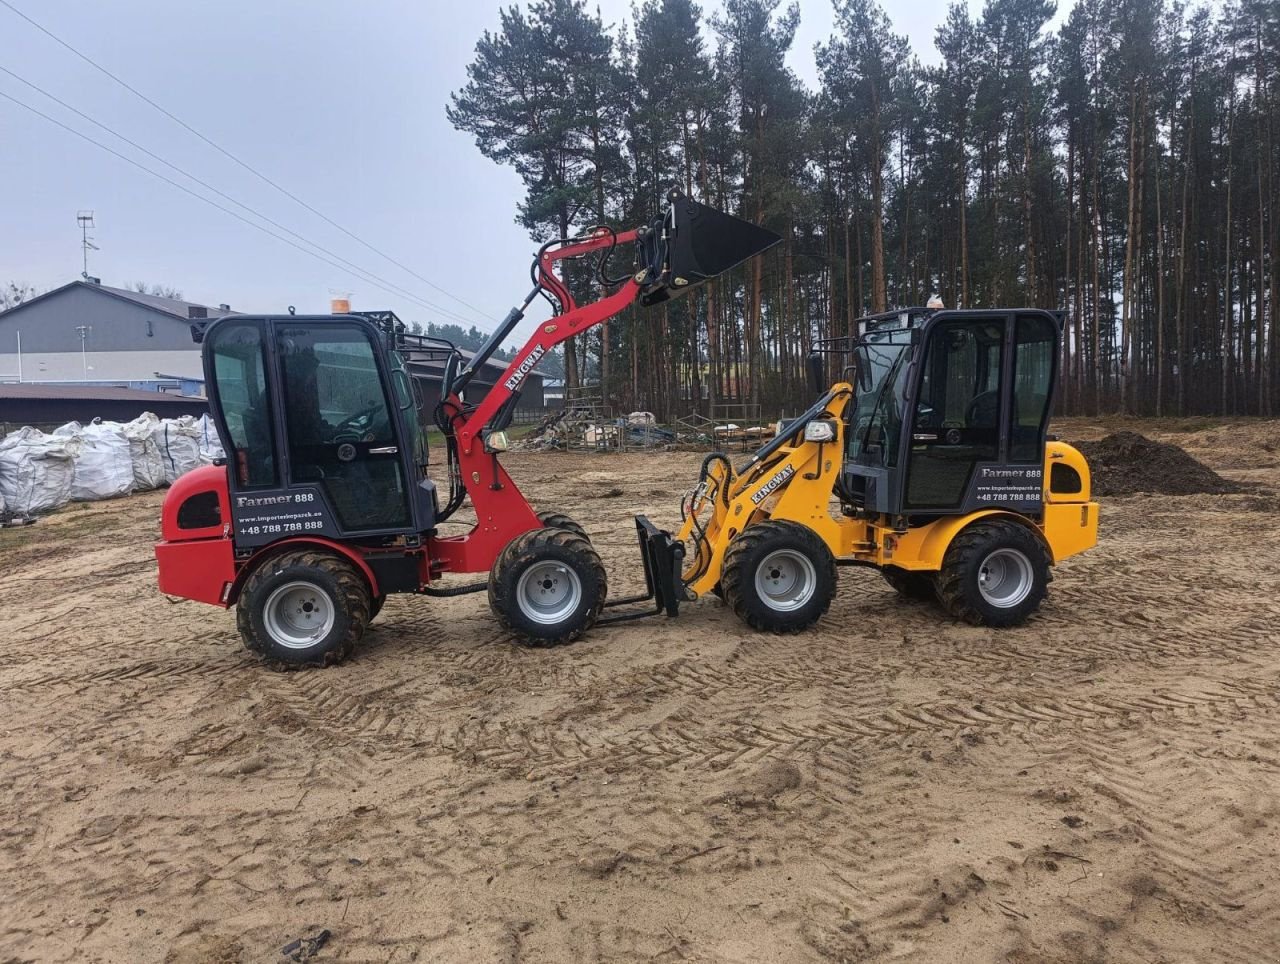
(785, 580)
(549, 592)
(1005, 578)
(298, 614)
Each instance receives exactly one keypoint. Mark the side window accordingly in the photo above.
(239, 369)
(960, 386)
(1033, 362)
(409, 399)
(201, 511)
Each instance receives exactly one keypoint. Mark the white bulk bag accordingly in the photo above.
(36, 470)
(148, 463)
(210, 444)
(103, 464)
(178, 441)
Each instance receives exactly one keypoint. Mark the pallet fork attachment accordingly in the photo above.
(663, 559)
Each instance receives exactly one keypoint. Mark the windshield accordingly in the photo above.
(876, 416)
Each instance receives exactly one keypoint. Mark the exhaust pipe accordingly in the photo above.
(693, 243)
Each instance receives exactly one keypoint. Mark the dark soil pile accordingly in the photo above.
(1126, 462)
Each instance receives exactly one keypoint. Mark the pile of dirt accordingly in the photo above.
(1126, 462)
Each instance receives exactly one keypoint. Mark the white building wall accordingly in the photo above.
(103, 365)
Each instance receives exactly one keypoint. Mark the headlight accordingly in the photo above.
(496, 442)
(820, 430)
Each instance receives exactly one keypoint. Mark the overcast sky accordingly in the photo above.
(339, 101)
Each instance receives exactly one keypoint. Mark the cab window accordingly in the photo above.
(239, 371)
(1033, 364)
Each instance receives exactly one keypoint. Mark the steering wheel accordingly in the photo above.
(350, 426)
(983, 410)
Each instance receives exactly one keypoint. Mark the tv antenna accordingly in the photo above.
(85, 220)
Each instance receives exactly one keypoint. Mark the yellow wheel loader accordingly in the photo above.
(928, 459)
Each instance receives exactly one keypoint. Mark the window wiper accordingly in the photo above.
(889, 378)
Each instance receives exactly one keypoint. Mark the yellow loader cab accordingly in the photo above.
(928, 459)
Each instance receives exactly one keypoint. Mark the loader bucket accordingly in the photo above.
(694, 243)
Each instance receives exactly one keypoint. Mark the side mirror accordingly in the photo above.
(817, 372)
(449, 376)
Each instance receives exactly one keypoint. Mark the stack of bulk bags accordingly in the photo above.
(103, 462)
(178, 440)
(36, 471)
(210, 444)
(148, 463)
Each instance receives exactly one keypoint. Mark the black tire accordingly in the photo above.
(801, 567)
(375, 606)
(970, 585)
(322, 584)
(569, 612)
(558, 520)
(918, 586)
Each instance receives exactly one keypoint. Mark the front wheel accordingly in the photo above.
(547, 586)
(995, 573)
(303, 608)
(779, 577)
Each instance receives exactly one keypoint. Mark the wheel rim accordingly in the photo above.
(785, 580)
(549, 592)
(298, 614)
(1005, 578)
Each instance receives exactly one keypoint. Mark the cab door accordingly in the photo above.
(983, 396)
(341, 431)
(958, 410)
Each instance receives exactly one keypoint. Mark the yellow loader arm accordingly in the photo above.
(791, 477)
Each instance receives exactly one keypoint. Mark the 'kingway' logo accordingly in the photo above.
(526, 366)
(773, 484)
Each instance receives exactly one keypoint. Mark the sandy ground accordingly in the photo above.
(1102, 784)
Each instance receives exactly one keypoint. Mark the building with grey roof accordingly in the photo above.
(96, 333)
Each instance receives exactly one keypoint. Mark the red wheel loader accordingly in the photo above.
(324, 505)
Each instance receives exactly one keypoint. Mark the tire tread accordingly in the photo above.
(735, 581)
(534, 541)
(351, 585)
(965, 552)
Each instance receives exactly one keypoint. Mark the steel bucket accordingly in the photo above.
(692, 244)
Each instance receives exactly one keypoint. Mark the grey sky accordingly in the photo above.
(340, 102)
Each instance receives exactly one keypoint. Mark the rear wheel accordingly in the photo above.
(547, 586)
(303, 608)
(558, 520)
(910, 585)
(375, 607)
(779, 577)
(995, 573)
